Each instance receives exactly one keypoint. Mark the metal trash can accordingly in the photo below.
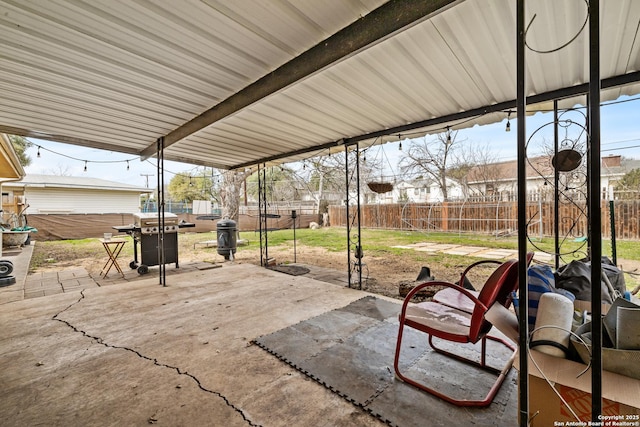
(227, 241)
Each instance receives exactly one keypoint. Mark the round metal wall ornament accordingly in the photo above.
(566, 160)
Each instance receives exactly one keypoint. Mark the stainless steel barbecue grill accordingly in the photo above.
(144, 232)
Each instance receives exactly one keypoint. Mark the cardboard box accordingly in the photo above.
(586, 306)
(620, 394)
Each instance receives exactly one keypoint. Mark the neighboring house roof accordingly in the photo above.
(618, 165)
(10, 167)
(542, 167)
(75, 182)
(508, 170)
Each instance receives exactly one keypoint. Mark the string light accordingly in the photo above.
(448, 135)
(86, 162)
(400, 146)
(508, 128)
(127, 161)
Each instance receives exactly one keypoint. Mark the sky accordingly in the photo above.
(620, 134)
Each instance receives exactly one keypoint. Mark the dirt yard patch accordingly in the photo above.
(383, 271)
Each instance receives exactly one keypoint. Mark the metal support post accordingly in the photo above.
(294, 215)
(354, 244)
(161, 206)
(348, 213)
(612, 221)
(359, 253)
(595, 219)
(521, 103)
(262, 214)
(556, 190)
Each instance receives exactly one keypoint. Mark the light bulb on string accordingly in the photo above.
(508, 127)
(448, 135)
(399, 146)
(86, 162)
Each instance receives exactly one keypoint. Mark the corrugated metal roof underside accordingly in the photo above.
(120, 74)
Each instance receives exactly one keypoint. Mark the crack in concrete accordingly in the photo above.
(153, 360)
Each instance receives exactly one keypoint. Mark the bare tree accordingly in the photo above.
(435, 158)
(280, 185)
(60, 170)
(482, 172)
(230, 189)
(327, 174)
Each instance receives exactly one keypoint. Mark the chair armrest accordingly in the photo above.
(475, 264)
(530, 256)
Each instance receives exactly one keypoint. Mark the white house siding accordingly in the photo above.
(80, 201)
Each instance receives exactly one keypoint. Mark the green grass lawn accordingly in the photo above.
(374, 242)
(378, 242)
(334, 239)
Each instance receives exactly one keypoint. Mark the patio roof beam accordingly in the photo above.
(582, 89)
(11, 130)
(390, 18)
(507, 105)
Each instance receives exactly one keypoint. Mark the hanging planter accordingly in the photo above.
(566, 160)
(380, 187)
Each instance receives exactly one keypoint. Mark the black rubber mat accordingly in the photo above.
(293, 270)
(350, 351)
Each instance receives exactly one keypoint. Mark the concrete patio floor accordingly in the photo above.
(137, 353)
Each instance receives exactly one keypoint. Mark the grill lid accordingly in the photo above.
(145, 219)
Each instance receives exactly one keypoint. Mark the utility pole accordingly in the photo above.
(147, 175)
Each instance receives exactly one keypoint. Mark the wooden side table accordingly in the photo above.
(113, 248)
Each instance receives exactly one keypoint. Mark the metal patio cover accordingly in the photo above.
(232, 84)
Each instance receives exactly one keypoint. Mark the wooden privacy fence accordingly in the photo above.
(494, 218)
(82, 226)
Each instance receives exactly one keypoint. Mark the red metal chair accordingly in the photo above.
(462, 323)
